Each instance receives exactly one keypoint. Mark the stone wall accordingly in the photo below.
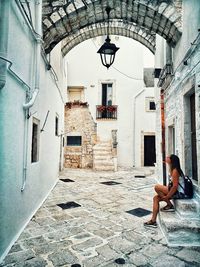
(79, 122)
(177, 109)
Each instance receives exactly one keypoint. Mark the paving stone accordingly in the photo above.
(62, 257)
(44, 220)
(87, 244)
(42, 212)
(35, 262)
(97, 234)
(32, 242)
(189, 255)
(82, 236)
(153, 250)
(15, 248)
(167, 261)
(59, 216)
(120, 244)
(25, 235)
(19, 257)
(104, 233)
(63, 233)
(138, 259)
(51, 246)
(93, 261)
(107, 252)
(38, 231)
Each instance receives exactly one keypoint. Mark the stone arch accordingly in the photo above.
(129, 30)
(62, 18)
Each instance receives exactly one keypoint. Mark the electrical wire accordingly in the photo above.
(137, 79)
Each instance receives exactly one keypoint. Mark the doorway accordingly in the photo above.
(149, 150)
(193, 137)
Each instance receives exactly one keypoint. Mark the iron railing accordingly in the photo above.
(106, 112)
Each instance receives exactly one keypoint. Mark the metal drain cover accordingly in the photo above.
(139, 176)
(139, 212)
(68, 205)
(66, 180)
(110, 183)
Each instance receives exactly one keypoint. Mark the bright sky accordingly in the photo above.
(148, 58)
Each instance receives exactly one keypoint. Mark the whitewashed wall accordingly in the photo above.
(18, 207)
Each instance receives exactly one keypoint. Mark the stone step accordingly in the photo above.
(103, 151)
(103, 163)
(103, 168)
(187, 208)
(102, 157)
(98, 148)
(179, 231)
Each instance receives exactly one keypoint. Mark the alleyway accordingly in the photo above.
(99, 231)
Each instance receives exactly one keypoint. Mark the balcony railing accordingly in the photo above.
(106, 112)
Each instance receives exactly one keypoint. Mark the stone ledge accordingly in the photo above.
(179, 231)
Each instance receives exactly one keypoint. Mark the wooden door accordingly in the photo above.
(149, 150)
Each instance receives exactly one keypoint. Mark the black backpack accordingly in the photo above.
(188, 187)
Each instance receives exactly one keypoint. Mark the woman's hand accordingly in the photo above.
(165, 198)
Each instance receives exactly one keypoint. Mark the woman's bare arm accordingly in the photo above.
(175, 181)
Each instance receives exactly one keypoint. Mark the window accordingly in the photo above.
(150, 104)
(35, 141)
(171, 139)
(74, 140)
(107, 94)
(56, 126)
(76, 93)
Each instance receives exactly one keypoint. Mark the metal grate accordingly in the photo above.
(68, 205)
(139, 212)
(110, 183)
(66, 180)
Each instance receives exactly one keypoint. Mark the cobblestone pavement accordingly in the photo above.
(100, 230)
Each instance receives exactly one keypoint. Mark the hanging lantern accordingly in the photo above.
(107, 50)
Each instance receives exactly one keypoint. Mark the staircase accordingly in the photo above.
(182, 227)
(102, 157)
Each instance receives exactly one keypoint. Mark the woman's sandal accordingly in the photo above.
(150, 224)
(168, 208)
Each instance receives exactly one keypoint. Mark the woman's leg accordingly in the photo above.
(156, 201)
(162, 191)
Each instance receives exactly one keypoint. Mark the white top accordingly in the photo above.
(181, 182)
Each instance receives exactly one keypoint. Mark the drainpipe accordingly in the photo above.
(134, 111)
(162, 107)
(4, 24)
(28, 105)
(38, 29)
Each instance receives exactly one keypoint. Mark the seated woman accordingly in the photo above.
(165, 193)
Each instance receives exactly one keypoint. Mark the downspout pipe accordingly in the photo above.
(4, 29)
(134, 111)
(30, 103)
(38, 28)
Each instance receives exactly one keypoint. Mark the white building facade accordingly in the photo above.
(179, 84)
(123, 87)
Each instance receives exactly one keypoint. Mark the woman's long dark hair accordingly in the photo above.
(175, 164)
